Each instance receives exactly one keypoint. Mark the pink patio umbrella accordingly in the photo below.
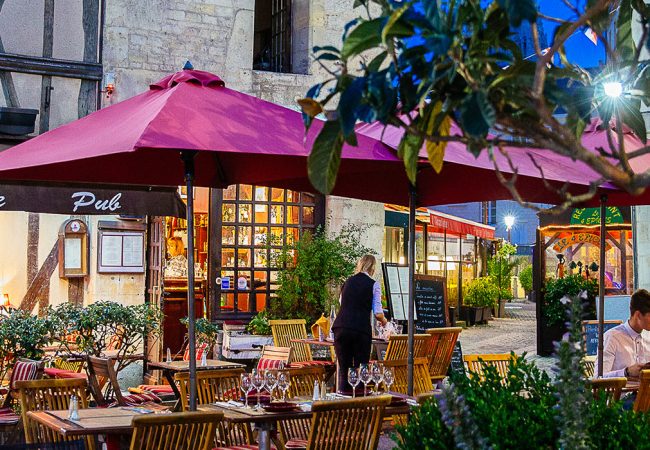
(226, 137)
(529, 162)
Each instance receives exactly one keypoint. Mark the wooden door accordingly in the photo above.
(155, 286)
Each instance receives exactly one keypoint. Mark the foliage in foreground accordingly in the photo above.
(313, 270)
(527, 409)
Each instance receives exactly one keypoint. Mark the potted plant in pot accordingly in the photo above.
(526, 279)
(500, 269)
(479, 299)
(554, 307)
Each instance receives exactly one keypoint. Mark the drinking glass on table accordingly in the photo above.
(246, 385)
(365, 376)
(353, 379)
(377, 375)
(258, 384)
(389, 378)
(271, 382)
(283, 383)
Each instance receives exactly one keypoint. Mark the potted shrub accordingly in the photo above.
(526, 279)
(554, 308)
(22, 335)
(479, 299)
(500, 269)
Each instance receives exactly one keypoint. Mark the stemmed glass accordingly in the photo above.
(365, 376)
(389, 379)
(283, 383)
(377, 373)
(353, 379)
(246, 385)
(271, 382)
(258, 383)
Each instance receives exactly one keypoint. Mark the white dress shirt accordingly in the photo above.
(624, 347)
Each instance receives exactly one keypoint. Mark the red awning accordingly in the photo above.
(455, 225)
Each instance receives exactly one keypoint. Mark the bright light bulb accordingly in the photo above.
(613, 89)
(509, 221)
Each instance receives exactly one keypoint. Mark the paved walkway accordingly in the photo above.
(516, 332)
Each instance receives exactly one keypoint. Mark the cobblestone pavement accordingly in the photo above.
(516, 332)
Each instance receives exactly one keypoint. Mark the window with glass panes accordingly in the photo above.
(257, 222)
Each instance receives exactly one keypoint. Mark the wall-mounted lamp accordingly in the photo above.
(4, 305)
(109, 84)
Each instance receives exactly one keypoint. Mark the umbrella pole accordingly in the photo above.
(188, 160)
(601, 284)
(411, 256)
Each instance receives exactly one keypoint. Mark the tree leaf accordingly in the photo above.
(632, 117)
(310, 106)
(519, 10)
(477, 114)
(440, 127)
(409, 149)
(624, 41)
(325, 157)
(392, 20)
(350, 100)
(365, 36)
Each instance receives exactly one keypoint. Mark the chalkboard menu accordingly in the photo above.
(457, 365)
(430, 303)
(590, 332)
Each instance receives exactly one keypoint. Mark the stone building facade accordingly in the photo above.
(139, 42)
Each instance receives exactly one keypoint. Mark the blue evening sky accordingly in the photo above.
(579, 48)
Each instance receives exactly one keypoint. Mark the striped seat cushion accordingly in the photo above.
(53, 372)
(155, 388)
(138, 399)
(200, 349)
(296, 444)
(265, 363)
(8, 416)
(313, 363)
(23, 371)
(242, 447)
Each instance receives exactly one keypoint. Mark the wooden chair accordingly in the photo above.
(590, 366)
(302, 385)
(351, 424)
(421, 377)
(476, 364)
(441, 349)
(63, 368)
(105, 388)
(285, 330)
(398, 346)
(48, 394)
(213, 386)
(273, 357)
(611, 388)
(23, 370)
(642, 402)
(185, 430)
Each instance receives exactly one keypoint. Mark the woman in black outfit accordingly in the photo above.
(360, 296)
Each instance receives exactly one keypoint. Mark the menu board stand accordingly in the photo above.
(430, 302)
(396, 284)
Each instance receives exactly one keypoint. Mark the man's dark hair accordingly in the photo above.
(640, 301)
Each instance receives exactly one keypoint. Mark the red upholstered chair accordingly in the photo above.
(284, 331)
(274, 357)
(23, 370)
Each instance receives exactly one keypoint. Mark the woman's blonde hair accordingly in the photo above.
(366, 264)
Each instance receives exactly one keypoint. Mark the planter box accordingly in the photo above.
(500, 309)
(550, 334)
(471, 314)
(17, 121)
(487, 314)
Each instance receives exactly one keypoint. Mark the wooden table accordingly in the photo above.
(170, 368)
(111, 422)
(265, 422)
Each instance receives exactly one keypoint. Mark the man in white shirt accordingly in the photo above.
(626, 348)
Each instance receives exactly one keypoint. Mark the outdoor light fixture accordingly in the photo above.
(109, 84)
(4, 305)
(509, 220)
(613, 89)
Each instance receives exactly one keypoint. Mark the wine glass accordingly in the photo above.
(365, 376)
(389, 378)
(377, 373)
(353, 379)
(246, 385)
(271, 382)
(258, 383)
(283, 383)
